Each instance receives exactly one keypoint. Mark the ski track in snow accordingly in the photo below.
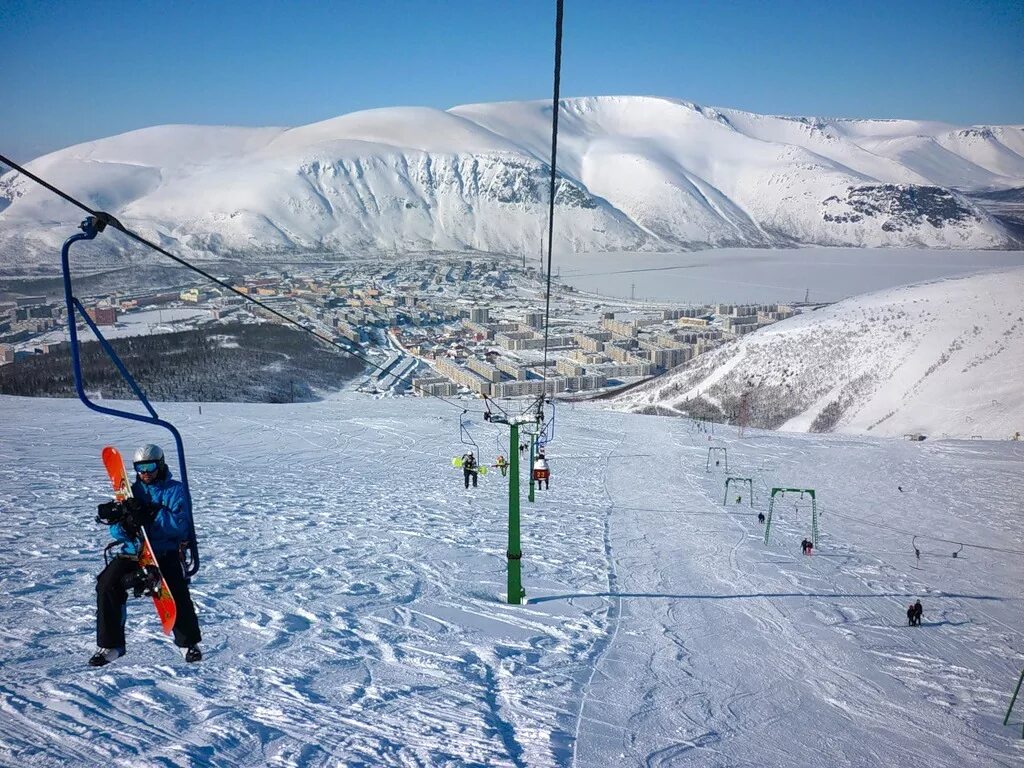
(351, 598)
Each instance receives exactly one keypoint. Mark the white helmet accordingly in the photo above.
(148, 452)
(146, 457)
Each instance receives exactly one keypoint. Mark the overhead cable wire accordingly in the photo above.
(874, 524)
(110, 221)
(551, 191)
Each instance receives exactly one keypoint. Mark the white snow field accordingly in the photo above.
(351, 597)
(637, 174)
(941, 358)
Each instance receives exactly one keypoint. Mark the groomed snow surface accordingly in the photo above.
(351, 597)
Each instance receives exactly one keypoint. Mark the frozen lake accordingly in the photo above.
(753, 274)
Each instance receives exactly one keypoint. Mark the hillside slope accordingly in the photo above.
(352, 598)
(944, 358)
(637, 173)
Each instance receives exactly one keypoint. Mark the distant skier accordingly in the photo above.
(541, 471)
(910, 615)
(502, 465)
(160, 506)
(918, 611)
(760, 517)
(899, 488)
(807, 546)
(469, 468)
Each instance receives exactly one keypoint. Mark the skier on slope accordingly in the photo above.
(469, 468)
(910, 615)
(918, 611)
(160, 506)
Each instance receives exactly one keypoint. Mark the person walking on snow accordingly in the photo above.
(158, 505)
(807, 546)
(910, 615)
(469, 468)
(918, 611)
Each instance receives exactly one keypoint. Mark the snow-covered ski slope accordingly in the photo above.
(941, 358)
(351, 598)
(637, 173)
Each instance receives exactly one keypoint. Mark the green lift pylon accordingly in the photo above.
(515, 593)
(814, 511)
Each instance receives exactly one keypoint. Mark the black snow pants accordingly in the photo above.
(112, 596)
(469, 473)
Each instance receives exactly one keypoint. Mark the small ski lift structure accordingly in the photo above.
(723, 456)
(546, 434)
(91, 227)
(917, 550)
(1013, 700)
(739, 481)
(466, 438)
(814, 511)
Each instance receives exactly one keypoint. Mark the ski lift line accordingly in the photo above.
(551, 187)
(105, 219)
(961, 544)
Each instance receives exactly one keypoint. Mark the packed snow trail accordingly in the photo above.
(732, 654)
(351, 598)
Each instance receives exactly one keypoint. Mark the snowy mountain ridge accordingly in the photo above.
(942, 358)
(636, 173)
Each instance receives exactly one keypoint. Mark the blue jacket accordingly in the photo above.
(171, 525)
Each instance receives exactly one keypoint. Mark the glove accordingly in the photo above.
(140, 512)
(109, 512)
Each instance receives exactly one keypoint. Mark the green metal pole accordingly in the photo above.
(515, 552)
(533, 445)
(814, 522)
(1013, 700)
(768, 524)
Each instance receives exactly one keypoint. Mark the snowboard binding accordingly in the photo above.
(143, 582)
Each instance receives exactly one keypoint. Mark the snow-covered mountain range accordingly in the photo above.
(636, 173)
(943, 358)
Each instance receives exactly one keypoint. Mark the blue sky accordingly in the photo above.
(73, 71)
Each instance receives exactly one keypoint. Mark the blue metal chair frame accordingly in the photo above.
(91, 227)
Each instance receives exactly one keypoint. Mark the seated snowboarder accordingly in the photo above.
(469, 468)
(541, 471)
(502, 464)
(159, 505)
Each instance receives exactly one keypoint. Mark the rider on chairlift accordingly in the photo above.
(541, 471)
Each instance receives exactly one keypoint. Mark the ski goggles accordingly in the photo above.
(146, 466)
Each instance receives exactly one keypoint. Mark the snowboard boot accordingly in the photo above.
(104, 656)
(192, 654)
